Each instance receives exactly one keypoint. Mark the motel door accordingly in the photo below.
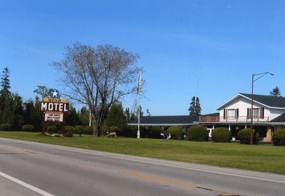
(272, 131)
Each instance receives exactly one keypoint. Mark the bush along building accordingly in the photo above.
(234, 114)
(164, 122)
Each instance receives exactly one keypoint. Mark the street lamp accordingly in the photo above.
(253, 80)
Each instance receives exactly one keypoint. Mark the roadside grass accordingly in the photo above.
(264, 158)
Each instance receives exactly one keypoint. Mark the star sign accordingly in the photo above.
(54, 93)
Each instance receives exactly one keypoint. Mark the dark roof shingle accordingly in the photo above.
(166, 119)
(268, 100)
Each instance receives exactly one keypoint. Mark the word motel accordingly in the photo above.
(53, 106)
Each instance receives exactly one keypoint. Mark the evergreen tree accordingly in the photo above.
(198, 108)
(195, 107)
(32, 115)
(192, 107)
(6, 101)
(37, 116)
(5, 84)
(84, 116)
(71, 117)
(18, 109)
(275, 92)
(148, 113)
(116, 116)
(128, 114)
(133, 117)
(7, 113)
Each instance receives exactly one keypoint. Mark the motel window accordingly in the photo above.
(257, 113)
(232, 113)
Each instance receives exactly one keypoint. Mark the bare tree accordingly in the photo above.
(43, 91)
(98, 77)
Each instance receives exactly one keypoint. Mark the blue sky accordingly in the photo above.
(208, 49)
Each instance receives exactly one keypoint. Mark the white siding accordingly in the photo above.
(275, 113)
(243, 104)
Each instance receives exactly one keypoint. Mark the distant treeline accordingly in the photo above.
(17, 113)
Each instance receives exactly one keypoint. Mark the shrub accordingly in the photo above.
(78, 130)
(88, 130)
(67, 134)
(278, 137)
(27, 128)
(257, 138)
(221, 134)
(52, 129)
(104, 130)
(197, 133)
(143, 132)
(117, 129)
(130, 131)
(244, 136)
(69, 128)
(154, 132)
(112, 129)
(5, 127)
(175, 132)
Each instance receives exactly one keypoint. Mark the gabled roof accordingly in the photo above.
(269, 100)
(166, 120)
(265, 100)
(280, 118)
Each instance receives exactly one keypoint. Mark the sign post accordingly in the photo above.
(54, 110)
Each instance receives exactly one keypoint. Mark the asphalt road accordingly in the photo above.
(29, 168)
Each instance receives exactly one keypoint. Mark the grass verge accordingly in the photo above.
(264, 158)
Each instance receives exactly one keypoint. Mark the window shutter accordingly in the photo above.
(261, 113)
(237, 114)
(224, 113)
(248, 113)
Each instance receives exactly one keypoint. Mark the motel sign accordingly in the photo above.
(53, 110)
(54, 106)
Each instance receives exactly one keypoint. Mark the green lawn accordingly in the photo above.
(265, 158)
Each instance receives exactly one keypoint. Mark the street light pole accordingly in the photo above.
(139, 113)
(251, 113)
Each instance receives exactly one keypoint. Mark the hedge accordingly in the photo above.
(221, 134)
(197, 133)
(69, 128)
(67, 134)
(27, 128)
(5, 127)
(244, 136)
(104, 130)
(112, 129)
(78, 130)
(278, 137)
(52, 129)
(130, 131)
(175, 132)
(88, 130)
(154, 132)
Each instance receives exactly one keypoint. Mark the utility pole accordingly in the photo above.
(139, 113)
(251, 113)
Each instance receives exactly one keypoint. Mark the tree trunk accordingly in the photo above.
(95, 127)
